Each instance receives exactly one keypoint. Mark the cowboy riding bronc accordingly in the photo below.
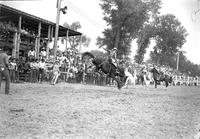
(112, 57)
(107, 66)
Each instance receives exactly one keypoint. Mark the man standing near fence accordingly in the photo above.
(4, 70)
(56, 72)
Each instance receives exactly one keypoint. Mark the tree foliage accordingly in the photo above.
(140, 19)
(74, 41)
(124, 19)
(187, 67)
(169, 36)
(143, 41)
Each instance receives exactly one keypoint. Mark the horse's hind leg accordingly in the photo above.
(119, 83)
(142, 80)
(155, 82)
(166, 84)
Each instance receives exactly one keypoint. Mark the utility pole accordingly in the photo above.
(58, 6)
(55, 47)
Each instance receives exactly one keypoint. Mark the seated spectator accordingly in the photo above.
(42, 67)
(31, 54)
(43, 53)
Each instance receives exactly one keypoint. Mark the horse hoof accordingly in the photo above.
(119, 87)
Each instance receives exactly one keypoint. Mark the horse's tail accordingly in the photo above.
(87, 54)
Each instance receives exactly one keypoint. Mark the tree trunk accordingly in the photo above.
(116, 43)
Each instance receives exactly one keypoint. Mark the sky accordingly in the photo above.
(90, 15)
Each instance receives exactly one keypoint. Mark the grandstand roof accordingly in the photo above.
(31, 22)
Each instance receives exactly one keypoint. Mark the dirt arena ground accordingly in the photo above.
(75, 111)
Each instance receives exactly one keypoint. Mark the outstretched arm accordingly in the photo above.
(106, 49)
(156, 71)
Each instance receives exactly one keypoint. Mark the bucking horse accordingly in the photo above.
(160, 77)
(106, 67)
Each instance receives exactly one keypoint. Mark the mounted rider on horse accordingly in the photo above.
(112, 58)
(161, 76)
(109, 66)
(143, 70)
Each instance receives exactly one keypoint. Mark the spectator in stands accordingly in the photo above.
(31, 54)
(43, 53)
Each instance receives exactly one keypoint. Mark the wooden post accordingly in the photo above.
(36, 45)
(51, 36)
(18, 36)
(67, 37)
(14, 50)
(38, 41)
(48, 41)
(51, 32)
(80, 45)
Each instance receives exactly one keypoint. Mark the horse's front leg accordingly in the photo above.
(119, 83)
(142, 80)
(155, 83)
(166, 84)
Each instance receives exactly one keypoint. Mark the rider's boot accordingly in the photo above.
(116, 69)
